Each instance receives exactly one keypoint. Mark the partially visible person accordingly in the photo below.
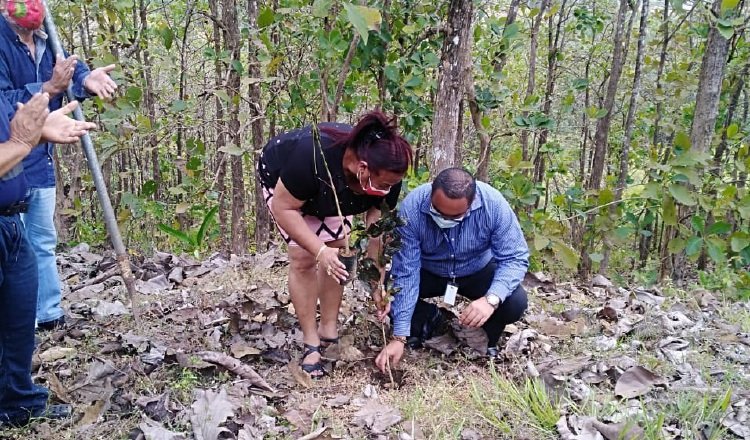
(20, 399)
(28, 66)
(367, 163)
(461, 238)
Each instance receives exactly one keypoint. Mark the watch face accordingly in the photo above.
(493, 300)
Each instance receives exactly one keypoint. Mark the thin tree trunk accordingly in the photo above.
(451, 79)
(531, 80)
(603, 125)
(232, 43)
(262, 216)
(221, 171)
(150, 101)
(629, 123)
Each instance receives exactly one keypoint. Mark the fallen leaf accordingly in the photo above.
(315, 435)
(620, 431)
(106, 308)
(377, 417)
(339, 401)
(300, 376)
(240, 350)
(344, 350)
(56, 353)
(475, 338)
(636, 381)
(601, 281)
(155, 431)
(210, 410)
(57, 388)
(608, 314)
(445, 344)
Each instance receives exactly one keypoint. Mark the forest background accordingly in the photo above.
(618, 131)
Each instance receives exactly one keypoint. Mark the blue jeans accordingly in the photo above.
(19, 397)
(40, 227)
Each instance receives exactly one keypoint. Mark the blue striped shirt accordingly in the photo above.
(489, 231)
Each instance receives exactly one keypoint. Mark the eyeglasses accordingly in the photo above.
(457, 218)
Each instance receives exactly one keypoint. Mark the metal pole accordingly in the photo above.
(110, 220)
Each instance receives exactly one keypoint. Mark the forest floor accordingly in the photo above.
(214, 354)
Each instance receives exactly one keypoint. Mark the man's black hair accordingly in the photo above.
(456, 183)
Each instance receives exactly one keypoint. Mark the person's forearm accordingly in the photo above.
(292, 222)
(11, 153)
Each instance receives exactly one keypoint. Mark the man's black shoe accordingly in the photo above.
(51, 325)
(414, 342)
(51, 412)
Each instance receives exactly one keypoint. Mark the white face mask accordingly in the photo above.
(442, 222)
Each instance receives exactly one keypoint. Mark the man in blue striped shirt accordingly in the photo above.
(460, 236)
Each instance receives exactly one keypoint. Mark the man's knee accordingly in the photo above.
(515, 305)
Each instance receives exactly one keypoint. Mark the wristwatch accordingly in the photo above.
(492, 299)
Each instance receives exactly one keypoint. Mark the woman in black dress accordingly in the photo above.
(367, 163)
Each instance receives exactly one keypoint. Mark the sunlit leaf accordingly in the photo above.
(716, 248)
(567, 256)
(693, 246)
(682, 194)
(321, 8)
(363, 19)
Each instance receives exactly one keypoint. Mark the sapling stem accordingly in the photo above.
(319, 145)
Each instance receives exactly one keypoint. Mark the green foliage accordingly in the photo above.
(195, 241)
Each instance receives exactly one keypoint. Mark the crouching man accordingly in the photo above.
(461, 238)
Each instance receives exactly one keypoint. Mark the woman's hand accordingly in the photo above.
(383, 304)
(328, 260)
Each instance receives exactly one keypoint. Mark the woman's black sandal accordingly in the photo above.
(317, 367)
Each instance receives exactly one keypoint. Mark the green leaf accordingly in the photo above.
(693, 246)
(265, 18)
(363, 19)
(682, 194)
(728, 4)
(204, 226)
(719, 228)
(321, 8)
(511, 31)
(177, 234)
(541, 242)
(148, 188)
(567, 256)
(653, 190)
(486, 122)
(676, 245)
(233, 150)
(682, 141)
(732, 131)
(725, 31)
(739, 241)
(596, 257)
(669, 211)
(716, 248)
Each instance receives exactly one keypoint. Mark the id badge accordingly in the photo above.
(450, 294)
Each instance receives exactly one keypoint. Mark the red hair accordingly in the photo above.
(376, 140)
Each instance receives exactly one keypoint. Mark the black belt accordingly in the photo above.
(16, 208)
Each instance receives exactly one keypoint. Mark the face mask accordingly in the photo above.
(28, 14)
(371, 190)
(442, 222)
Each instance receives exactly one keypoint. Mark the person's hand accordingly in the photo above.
(393, 352)
(26, 125)
(383, 305)
(61, 129)
(99, 83)
(328, 260)
(476, 313)
(62, 73)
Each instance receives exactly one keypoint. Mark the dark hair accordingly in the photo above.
(456, 183)
(375, 140)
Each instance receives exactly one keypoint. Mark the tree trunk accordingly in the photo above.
(704, 117)
(454, 61)
(531, 80)
(629, 123)
(221, 167)
(554, 45)
(262, 216)
(602, 127)
(149, 100)
(232, 44)
(604, 123)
